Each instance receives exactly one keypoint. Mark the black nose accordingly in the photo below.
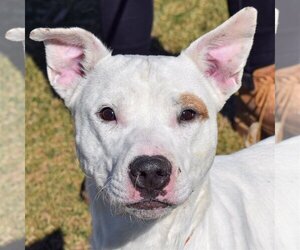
(150, 174)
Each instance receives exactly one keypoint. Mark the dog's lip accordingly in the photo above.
(149, 204)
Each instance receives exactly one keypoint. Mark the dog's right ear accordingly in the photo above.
(70, 54)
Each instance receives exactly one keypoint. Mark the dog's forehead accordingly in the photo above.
(140, 76)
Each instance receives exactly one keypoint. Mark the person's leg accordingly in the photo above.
(254, 108)
(126, 25)
(263, 50)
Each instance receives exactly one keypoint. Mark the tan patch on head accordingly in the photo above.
(194, 102)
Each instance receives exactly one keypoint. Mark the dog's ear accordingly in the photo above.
(222, 53)
(70, 54)
(15, 34)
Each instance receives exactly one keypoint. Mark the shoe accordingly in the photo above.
(255, 116)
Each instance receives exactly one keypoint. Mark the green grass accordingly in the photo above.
(177, 22)
(53, 176)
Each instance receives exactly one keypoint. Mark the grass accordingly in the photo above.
(11, 152)
(177, 23)
(53, 176)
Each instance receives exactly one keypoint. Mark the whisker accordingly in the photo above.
(87, 176)
(136, 180)
(101, 189)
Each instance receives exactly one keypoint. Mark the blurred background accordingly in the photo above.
(12, 128)
(288, 70)
(57, 216)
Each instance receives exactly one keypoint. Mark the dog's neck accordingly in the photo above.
(111, 231)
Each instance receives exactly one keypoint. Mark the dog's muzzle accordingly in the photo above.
(150, 175)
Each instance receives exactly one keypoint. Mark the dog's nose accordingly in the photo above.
(150, 173)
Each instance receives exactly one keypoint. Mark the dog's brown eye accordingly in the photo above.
(107, 114)
(187, 115)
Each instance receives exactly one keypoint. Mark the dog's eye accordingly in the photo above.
(107, 114)
(187, 115)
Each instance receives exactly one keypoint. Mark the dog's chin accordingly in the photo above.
(149, 210)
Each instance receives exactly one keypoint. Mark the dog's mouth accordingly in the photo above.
(149, 205)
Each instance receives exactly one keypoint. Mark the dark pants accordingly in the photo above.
(126, 28)
(126, 25)
(263, 50)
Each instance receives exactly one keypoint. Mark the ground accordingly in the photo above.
(56, 217)
(11, 152)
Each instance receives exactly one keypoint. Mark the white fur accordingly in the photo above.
(219, 209)
(16, 34)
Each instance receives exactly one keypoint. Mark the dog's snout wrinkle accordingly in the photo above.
(150, 174)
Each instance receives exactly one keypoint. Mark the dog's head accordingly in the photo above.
(146, 126)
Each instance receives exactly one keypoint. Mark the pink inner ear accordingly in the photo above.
(223, 64)
(71, 68)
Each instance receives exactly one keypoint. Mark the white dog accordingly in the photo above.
(146, 133)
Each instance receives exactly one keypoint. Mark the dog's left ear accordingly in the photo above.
(70, 53)
(222, 53)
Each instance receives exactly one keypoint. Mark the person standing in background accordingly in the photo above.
(126, 25)
(255, 105)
